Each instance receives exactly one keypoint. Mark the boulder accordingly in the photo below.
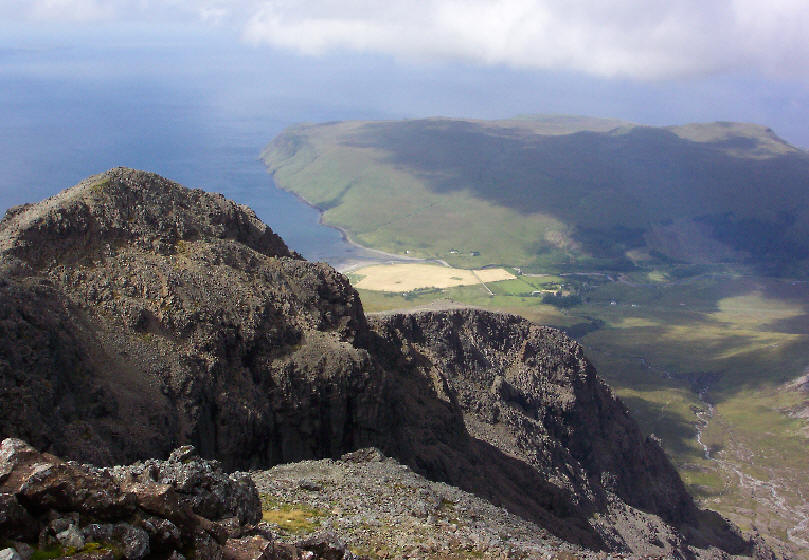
(326, 546)
(247, 548)
(164, 507)
(71, 538)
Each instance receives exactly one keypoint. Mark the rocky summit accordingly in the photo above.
(137, 316)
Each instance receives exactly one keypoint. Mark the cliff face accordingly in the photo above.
(528, 391)
(136, 316)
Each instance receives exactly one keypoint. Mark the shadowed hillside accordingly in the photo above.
(565, 193)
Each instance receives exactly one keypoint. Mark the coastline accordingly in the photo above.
(369, 255)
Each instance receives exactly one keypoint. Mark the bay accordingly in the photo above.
(200, 118)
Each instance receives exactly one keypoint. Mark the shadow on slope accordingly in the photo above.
(610, 187)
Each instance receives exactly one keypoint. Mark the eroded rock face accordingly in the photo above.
(528, 391)
(137, 316)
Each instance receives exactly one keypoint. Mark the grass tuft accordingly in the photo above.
(293, 519)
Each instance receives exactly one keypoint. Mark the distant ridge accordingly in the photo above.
(557, 192)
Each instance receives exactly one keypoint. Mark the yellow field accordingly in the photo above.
(412, 276)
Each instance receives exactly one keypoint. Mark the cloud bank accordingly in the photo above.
(639, 39)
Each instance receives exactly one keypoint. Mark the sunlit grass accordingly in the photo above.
(294, 519)
(754, 311)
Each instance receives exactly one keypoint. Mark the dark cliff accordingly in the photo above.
(136, 316)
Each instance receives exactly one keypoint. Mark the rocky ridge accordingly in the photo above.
(137, 316)
(385, 510)
(529, 391)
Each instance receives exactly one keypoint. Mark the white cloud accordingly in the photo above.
(645, 39)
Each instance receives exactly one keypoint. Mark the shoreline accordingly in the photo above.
(371, 256)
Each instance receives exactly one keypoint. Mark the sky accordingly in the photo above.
(648, 61)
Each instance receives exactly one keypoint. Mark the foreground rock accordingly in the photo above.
(137, 316)
(185, 506)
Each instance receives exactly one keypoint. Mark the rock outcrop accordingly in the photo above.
(151, 509)
(528, 391)
(137, 316)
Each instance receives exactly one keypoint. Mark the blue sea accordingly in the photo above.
(199, 116)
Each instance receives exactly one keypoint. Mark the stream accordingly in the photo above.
(767, 493)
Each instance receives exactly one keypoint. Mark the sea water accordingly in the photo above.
(199, 117)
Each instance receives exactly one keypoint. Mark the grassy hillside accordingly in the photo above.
(560, 193)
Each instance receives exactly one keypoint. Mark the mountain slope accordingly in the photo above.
(136, 315)
(555, 192)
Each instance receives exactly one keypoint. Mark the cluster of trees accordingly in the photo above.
(562, 301)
